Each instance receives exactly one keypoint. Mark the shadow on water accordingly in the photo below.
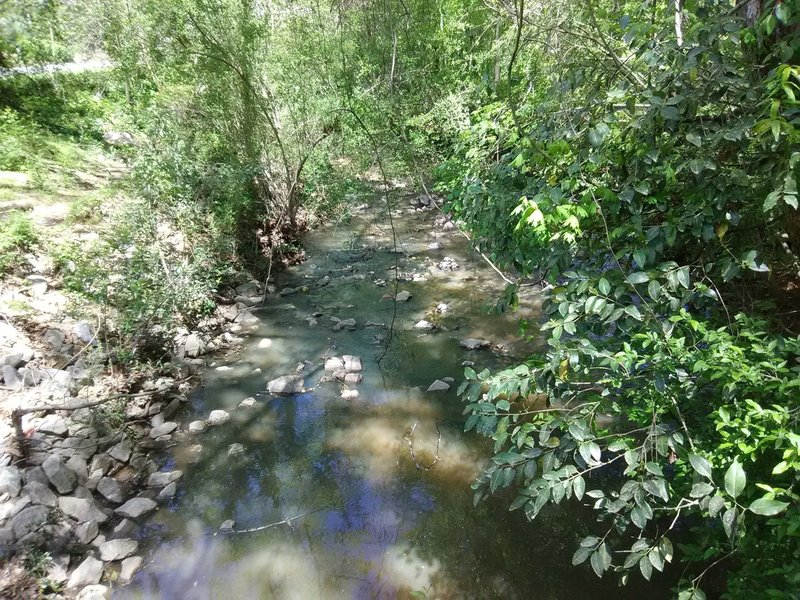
(370, 523)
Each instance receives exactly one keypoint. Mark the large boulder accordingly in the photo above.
(88, 572)
(61, 476)
(29, 520)
(10, 481)
(136, 507)
(122, 451)
(81, 509)
(118, 549)
(194, 346)
(110, 489)
(352, 364)
(40, 494)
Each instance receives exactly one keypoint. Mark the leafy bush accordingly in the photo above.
(17, 236)
(657, 197)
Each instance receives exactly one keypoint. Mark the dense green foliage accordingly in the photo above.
(640, 158)
(653, 184)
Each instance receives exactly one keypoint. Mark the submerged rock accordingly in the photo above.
(286, 385)
(439, 386)
(403, 296)
(235, 450)
(349, 324)
(227, 526)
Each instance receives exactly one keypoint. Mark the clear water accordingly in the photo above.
(364, 521)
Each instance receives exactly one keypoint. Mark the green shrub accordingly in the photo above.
(17, 235)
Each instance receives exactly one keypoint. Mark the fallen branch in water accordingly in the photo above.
(287, 521)
(410, 439)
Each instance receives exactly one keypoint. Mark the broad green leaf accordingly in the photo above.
(735, 479)
(701, 465)
(604, 286)
(579, 487)
(665, 545)
(638, 277)
(656, 559)
(642, 187)
(653, 289)
(715, 505)
(768, 507)
(646, 567)
(694, 139)
(729, 521)
(580, 556)
(701, 489)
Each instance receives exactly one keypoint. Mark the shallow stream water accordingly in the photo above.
(340, 507)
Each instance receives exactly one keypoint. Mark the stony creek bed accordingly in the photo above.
(325, 457)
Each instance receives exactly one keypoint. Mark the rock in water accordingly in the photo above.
(424, 325)
(286, 385)
(439, 386)
(129, 568)
(118, 549)
(235, 450)
(474, 344)
(136, 507)
(218, 417)
(349, 324)
(352, 364)
(333, 364)
(403, 296)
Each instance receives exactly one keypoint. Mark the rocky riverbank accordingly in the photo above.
(78, 437)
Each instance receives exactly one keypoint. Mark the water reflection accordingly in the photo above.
(341, 509)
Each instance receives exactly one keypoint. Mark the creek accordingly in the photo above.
(340, 506)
